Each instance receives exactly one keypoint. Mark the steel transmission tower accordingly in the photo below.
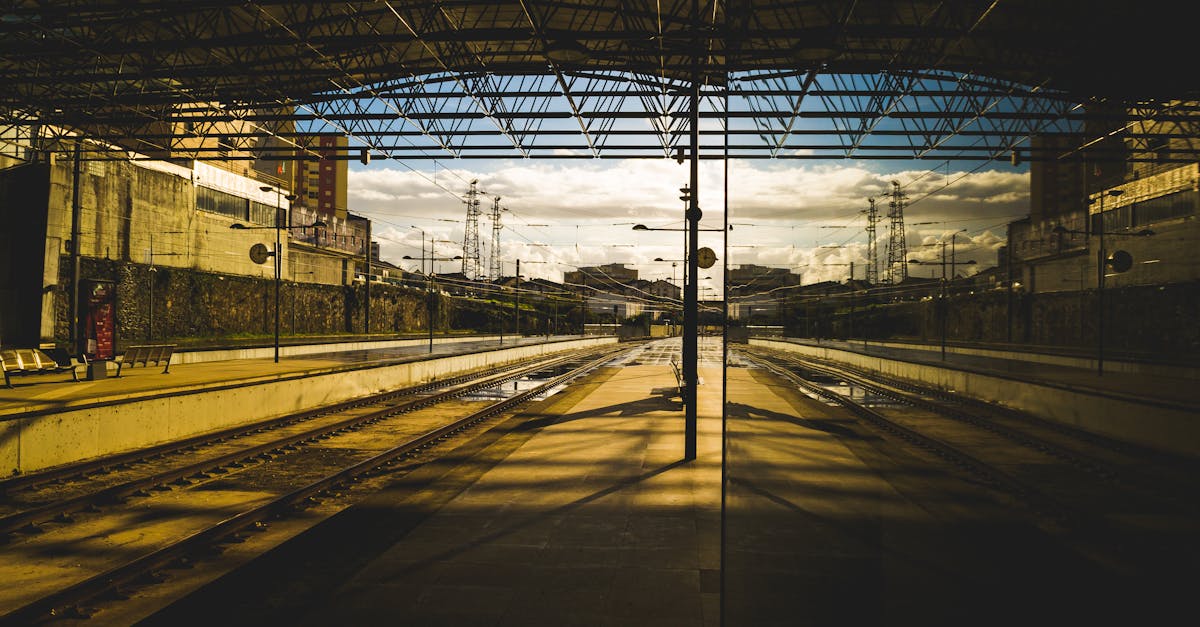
(872, 243)
(496, 269)
(470, 255)
(897, 250)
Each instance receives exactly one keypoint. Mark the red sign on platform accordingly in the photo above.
(100, 322)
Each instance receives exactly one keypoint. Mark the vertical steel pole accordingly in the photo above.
(278, 266)
(77, 342)
(367, 307)
(691, 308)
(1008, 265)
(943, 302)
(1100, 257)
(428, 285)
(150, 273)
(517, 304)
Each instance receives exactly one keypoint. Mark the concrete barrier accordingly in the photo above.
(1157, 424)
(294, 350)
(1072, 361)
(81, 430)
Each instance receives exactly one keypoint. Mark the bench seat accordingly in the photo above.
(146, 353)
(30, 361)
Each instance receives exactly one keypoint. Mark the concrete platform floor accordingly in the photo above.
(580, 512)
(53, 392)
(1171, 385)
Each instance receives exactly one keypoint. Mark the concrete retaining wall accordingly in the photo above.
(80, 431)
(1159, 425)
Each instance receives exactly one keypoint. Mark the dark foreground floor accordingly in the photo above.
(580, 513)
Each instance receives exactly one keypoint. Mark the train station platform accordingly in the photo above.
(580, 511)
(1149, 405)
(1147, 381)
(41, 393)
(50, 420)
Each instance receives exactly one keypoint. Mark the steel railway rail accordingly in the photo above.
(67, 601)
(988, 473)
(241, 444)
(1123, 465)
(1110, 520)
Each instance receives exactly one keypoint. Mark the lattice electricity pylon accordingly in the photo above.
(897, 250)
(470, 255)
(496, 270)
(872, 243)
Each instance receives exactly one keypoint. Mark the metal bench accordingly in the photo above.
(157, 353)
(29, 361)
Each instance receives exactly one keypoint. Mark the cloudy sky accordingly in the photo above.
(808, 216)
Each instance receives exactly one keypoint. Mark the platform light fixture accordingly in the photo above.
(278, 227)
(429, 280)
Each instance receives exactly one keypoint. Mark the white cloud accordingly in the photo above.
(788, 203)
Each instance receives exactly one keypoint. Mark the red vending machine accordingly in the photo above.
(100, 322)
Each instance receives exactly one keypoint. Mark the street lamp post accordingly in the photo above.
(517, 304)
(942, 300)
(367, 286)
(278, 227)
(1102, 263)
(153, 272)
(428, 293)
(691, 301)
(673, 284)
(429, 281)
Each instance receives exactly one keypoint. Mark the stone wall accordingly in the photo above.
(203, 305)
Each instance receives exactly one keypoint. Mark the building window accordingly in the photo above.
(1166, 207)
(260, 213)
(216, 201)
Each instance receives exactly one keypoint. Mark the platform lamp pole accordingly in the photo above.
(277, 253)
(428, 288)
(278, 257)
(367, 286)
(691, 312)
(517, 304)
(429, 279)
(152, 271)
(1101, 267)
(942, 302)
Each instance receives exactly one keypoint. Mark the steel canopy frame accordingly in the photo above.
(427, 80)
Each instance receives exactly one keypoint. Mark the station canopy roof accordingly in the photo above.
(970, 80)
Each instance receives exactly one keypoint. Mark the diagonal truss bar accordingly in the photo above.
(437, 11)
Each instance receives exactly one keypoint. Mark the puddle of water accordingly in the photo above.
(512, 388)
(858, 394)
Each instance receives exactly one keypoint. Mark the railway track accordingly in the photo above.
(192, 503)
(1093, 495)
(1123, 465)
(39, 498)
